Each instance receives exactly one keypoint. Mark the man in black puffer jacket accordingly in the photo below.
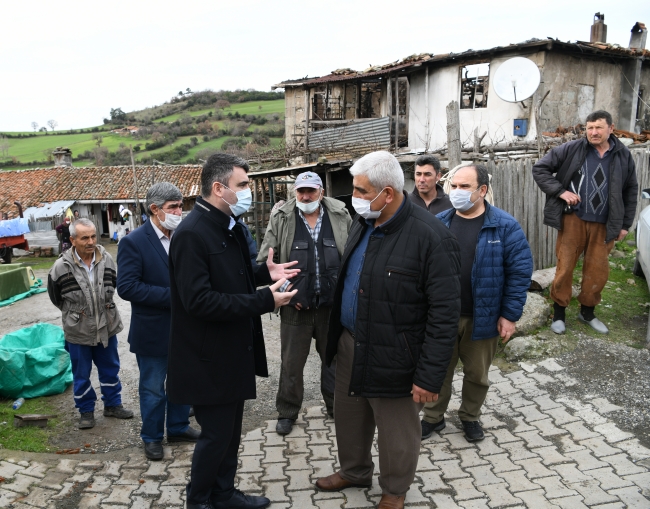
(393, 325)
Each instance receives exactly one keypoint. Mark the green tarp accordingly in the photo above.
(34, 362)
(17, 282)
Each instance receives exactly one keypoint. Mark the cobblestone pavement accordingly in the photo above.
(538, 452)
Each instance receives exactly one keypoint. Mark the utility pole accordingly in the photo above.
(135, 190)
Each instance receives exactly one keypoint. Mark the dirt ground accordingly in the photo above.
(111, 434)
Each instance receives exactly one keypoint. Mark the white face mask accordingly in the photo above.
(244, 201)
(461, 199)
(362, 207)
(310, 207)
(171, 221)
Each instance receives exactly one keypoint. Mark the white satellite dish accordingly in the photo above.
(516, 79)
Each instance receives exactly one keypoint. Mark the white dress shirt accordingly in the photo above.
(164, 240)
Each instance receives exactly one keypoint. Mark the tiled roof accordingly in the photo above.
(44, 185)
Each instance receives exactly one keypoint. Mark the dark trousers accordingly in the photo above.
(398, 431)
(154, 403)
(476, 357)
(296, 332)
(215, 456)
(107, 362)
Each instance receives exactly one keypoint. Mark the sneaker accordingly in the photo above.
(595, 324)
(558, 327)
(87, 420)
(118, 412)
(473, 431)
(428, 428)
(283, 427)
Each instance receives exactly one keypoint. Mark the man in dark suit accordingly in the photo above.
(216, 345)
(143, 279)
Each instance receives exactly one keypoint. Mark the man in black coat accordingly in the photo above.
(216, 345)
(392, 329)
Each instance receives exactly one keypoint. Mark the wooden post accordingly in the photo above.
(453, 135)
(306, 118)
(256, 216)
(389, 103)
(357, 113)
(477, 142)
(397, 113)
(426, 109)
(328, 184)
(135, 189)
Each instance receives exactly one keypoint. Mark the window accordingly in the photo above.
(474, 84)
(325, 106)
(370, 99)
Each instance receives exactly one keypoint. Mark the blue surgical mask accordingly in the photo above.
(244, 201)
(461, 199)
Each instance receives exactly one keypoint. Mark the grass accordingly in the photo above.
(247, 108)
(29, 439)
(37, 263)
(26, 150)
(31, 149)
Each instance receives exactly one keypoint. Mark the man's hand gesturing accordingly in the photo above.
(281, 298)
(280, 270)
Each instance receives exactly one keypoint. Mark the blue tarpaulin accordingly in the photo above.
(13, 227)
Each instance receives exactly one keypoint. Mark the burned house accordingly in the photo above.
(401, 106)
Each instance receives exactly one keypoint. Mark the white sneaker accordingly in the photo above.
(595, 324)
(558, 327)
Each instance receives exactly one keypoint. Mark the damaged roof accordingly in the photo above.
(45, 185)
(412, 62)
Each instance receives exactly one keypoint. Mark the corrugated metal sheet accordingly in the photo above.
(372, 134)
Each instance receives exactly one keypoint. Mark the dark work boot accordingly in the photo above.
(117, 411)
(87, 420)
(284, 426)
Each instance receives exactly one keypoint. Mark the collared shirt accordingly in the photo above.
(315, 233)
(164, 240)
(353, 270)
(89, 270)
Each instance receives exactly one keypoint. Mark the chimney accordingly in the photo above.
(598, 29)
(639, 36)
(62, 156)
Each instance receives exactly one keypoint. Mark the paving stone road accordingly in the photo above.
(539, 452)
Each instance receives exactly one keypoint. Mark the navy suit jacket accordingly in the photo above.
(143, 279)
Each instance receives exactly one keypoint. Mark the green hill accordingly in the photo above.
(184, 130)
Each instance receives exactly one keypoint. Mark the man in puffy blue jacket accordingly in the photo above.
(495, 271)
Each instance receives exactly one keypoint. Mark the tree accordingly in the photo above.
(188, 91)
(98, 139)
(53, 124)
(117, 115)
(34, 126)
(222, 104)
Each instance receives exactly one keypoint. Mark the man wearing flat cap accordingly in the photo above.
(311, 229)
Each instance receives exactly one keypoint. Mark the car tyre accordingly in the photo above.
(637, 270)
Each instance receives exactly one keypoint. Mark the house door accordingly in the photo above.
(399, 109)
(105, 222)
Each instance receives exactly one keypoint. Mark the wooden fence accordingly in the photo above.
(516, 192)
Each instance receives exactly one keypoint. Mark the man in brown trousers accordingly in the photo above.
(591, 194)
(392, 329)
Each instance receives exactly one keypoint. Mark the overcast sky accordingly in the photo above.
(73, 61)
